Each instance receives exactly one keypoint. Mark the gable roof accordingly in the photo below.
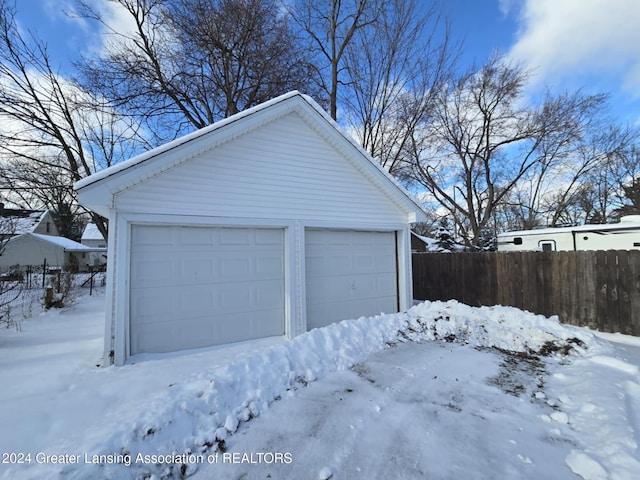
(96, 191)
(19, 221)
(91, 232)
(65, 243)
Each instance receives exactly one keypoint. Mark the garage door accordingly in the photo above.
(349, 274)
(199, 286)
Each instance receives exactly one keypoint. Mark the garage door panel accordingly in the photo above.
(196, 270)
(194, 236)
(266, 266)
(267, 294)
(234, 297)
(169, 336)
(235, 267)
(146, 236)
(268, 237)
(230, 326)
(350, 287)
(349, 274)
(145, 307)
(150, 270)
(236, 236)
(351, 309)
(194, 300)
(203, 289)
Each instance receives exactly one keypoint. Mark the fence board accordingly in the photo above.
(598, 289)
(634, 294)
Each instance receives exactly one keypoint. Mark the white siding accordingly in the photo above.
(26, 250)
(47, 226)
(293, 174)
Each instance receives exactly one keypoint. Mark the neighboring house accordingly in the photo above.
(612, 236)
(35, 249)
(268, 223)
(422, 244)
(14, 221)
(91, 237)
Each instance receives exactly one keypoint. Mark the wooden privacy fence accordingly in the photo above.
(598, 289)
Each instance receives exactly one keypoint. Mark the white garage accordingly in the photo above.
(269, 223)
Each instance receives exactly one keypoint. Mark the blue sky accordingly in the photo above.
(569, 44)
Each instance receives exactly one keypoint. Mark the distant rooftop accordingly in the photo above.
(91, 232)
(67, 244)
(16, 221)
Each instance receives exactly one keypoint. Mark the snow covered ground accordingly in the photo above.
(442, 391)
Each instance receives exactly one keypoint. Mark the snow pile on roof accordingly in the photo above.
(91, 232)
(18, 224)
(63, 242)
(432, 245)
(197, 414)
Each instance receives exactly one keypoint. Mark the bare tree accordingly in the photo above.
(188, 63)
(485, 139)
(631, 200)
(10, 286)
(331, 26)
(589, 191)
(394, 65)
(34, 187)
(46, 121)
(582, 185)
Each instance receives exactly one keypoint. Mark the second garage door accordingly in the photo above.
(349, 274)
(199, 286)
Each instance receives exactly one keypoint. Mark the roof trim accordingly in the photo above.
(66, 244)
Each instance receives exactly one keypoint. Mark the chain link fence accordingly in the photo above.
(28, 290)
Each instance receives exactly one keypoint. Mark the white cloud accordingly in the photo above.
(564, 39)
(90, 36)
(506, 6)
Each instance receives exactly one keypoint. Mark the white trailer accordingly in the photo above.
(613, 236)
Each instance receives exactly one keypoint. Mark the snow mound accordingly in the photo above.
(505, 328)
(191, 419)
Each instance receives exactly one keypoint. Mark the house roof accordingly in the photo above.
(91, 232)
(97, 191)
(62, 242)
(428, 241)
(20, 221)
